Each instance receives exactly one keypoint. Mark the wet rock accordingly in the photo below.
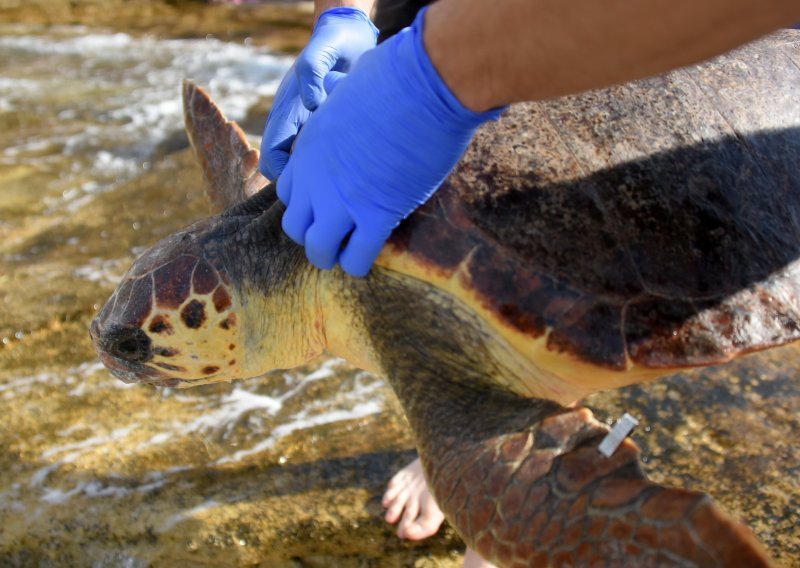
(286, 470)
(283, 26)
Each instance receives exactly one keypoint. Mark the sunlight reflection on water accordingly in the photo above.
(109, 100)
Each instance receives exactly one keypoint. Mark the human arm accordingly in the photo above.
(342, 32)
(393, 129)
(496, 53)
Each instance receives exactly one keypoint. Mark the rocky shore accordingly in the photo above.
(286, 470)
(283, 26)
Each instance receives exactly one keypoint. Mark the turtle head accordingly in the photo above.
(174, 319)
(230, 297)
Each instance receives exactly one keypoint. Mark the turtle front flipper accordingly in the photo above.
(543, 495)
(521, 479)
(230, 164)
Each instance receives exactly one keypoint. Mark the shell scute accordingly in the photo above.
(597, 336)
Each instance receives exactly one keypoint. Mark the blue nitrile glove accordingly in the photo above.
(382, 143)
(340, 36)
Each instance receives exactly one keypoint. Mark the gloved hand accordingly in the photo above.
(340, 36)
(382, 143)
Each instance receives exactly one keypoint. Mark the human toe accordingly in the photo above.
(410, 513)
(396, 506)
(426, 525)
(398, 484)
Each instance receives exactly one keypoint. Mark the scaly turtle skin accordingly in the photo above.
(581, 244)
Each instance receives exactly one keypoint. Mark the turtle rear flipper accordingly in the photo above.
(230, 164)
(545, 496)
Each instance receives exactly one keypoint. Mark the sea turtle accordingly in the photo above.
(581, 244)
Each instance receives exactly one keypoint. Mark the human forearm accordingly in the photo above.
(496, 53)
(322, 5)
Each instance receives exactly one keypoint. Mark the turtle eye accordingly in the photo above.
(130, 344)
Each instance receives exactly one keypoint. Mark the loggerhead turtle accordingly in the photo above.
(581, 244)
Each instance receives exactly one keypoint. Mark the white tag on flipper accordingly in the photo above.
(619, 432)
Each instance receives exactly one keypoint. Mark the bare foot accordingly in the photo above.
(408, 496)
(473, 560)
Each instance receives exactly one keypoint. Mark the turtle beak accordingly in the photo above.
(124, 351)
(122, 370)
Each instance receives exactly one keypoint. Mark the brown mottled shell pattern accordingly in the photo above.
(653, 225)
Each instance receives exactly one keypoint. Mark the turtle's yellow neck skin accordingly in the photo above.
(283, 330)
(344, 329)
(311, 317)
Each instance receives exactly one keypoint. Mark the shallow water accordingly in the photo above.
(285, 470)
(88, 110)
